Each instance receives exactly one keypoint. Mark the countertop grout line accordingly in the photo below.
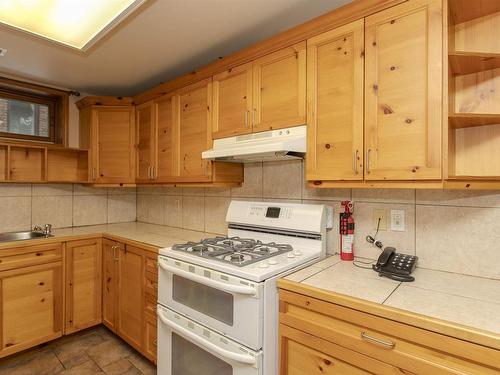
(389, 296)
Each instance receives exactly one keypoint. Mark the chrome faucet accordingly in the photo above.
(37, 228)
(48, 230)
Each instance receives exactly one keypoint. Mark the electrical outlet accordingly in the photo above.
(382, 215)
(398, 220)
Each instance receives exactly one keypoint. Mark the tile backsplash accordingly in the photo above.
(456, 231)
(24, 206)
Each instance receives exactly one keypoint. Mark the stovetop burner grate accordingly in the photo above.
(233, 250)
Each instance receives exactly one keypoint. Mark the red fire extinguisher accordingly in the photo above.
(347, 231)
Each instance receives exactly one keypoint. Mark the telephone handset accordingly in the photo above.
(395, 266)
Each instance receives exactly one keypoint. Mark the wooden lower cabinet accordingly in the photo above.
(110, 282)
(31, 307)
(83, 284)
(150, 337)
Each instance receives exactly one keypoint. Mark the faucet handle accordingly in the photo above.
(37, 228)
(48, 229)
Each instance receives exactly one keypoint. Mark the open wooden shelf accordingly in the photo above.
(67, 165)
(3, 162)
(469, 120)
(466, 10)
(472, 62)
(26, 163)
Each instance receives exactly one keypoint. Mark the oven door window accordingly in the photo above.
(189, 359)
(209, 301)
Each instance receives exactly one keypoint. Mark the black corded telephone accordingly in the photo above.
(395, 266)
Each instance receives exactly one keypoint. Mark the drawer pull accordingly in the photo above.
(387, 344)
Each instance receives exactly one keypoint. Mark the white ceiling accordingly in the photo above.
(164, 39)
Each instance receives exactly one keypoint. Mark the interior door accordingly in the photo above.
(83, 284)
(110, 282)
(403, 109)
(232, 92)
(335, 73)
(145, 120)
(279, 89)
(167, 150)
(131, 295)
(115, 135)
(194, 126)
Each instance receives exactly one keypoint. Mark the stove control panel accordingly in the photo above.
(270, 212)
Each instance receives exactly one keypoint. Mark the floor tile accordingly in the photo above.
(109, 351)
(122, 366)
(86, 368)
(40, 362)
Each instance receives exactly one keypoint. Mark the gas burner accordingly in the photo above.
(234, 250)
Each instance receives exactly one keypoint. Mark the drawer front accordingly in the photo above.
(401, 345)
(151, 338)
(152, 284)
(152, 265)
(150, 304)
(29, 255)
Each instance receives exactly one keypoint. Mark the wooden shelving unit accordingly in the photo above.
(26, 164)
(67, 165)
(3, 162)
(474, 90)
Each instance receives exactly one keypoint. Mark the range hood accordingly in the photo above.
(281, 144)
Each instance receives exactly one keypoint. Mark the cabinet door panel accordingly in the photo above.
(110, 283)
(83, 284)
(31, 306)
(232, 91)
(145, 141)
(130, 295)
(335, 104)
(115, 145)
(403, 108)
(194, 131)
(279, 86)
(166, 167)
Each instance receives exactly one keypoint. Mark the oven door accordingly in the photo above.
(227, 304)
(188, 348)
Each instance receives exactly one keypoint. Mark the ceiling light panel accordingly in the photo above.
(75, 23)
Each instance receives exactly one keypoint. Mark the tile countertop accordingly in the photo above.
(149, 234)
(460, 299)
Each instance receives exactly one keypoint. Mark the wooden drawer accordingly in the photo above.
(304, 354)
(150, 339)
(407, 347)
(150, 304)
(152, 284)
(29, 255)
(152, 265)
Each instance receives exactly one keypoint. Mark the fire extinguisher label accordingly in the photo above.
(347, 243)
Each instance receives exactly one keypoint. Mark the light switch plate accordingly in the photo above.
(382, 214)
(398, 220)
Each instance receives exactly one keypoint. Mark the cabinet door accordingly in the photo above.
(131, 295)
(150, 339)
(145, 123)
(165, 167)
(110, 251)
(114, 145)
(403, 79)
(279, 87)
(232, 91)
(31, 306)
(335, 104)
(194, 126)
(83, 284)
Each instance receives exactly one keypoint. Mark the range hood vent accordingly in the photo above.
(273, 145)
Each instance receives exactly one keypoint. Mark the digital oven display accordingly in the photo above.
(273, 212)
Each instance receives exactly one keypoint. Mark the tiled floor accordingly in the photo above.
(93, 351)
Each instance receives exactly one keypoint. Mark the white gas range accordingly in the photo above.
(218, 301)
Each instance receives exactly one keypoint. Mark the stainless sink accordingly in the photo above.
(19, 236)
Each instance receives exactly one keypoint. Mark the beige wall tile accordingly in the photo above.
(89, 190)
(193, 213)
(173, 211)
(15, 214)
(171, 190)
(90, 209)
(150, 209)
(55, 210)
(283, 179)
(52, 189)
(404, 242)
(464, 198)
(252, 185)
(122, 191)
(215, 214)
(217, 192)
(15, 190)
(384, 195)
(121, 208)
(193, 191)
(326, 194)
(459, 239)
(150, 190)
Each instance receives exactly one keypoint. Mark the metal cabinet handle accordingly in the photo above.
(114, 248)
(253, 116)
(386, 344)
(355, 162)
(93, 173)
(246, 119)
(152, 172)
(367, 167)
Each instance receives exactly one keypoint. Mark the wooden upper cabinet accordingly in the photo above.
(232, 106)
(194, 125)
(146, 134)
(403, 108)
(279, 87)
(165, 167)
(335, 104)
(83, 284)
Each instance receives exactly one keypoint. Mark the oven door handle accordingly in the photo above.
(208, 345)
(230, 288)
